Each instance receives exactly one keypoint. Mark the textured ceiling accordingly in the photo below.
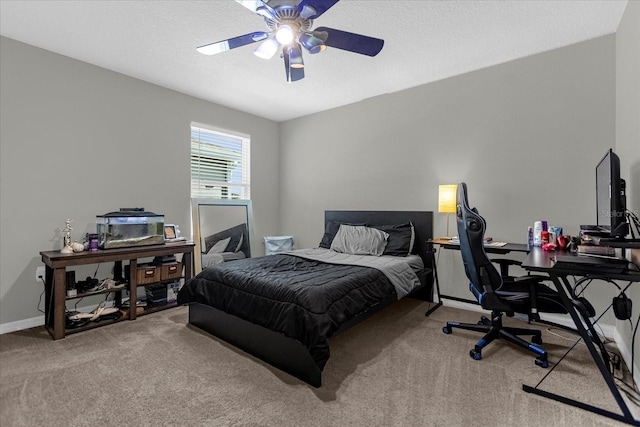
(425, 41)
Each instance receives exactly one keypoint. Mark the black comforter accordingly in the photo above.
(303, 299)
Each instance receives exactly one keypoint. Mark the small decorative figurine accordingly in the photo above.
(67, 249)
(77, 247)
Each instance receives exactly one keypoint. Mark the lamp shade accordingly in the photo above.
(267, 49)
(311, 43)
(447, 198)
(295, 56)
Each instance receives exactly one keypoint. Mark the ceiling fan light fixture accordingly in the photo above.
(322, 35)
(295, 57)
(264, 12)
(307, 11)
(311, 43)
(266, 49)
(290, 26)
(284, 34)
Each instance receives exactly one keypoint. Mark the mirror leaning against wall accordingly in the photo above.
(220, 231)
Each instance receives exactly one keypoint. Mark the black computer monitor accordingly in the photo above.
(610, 197)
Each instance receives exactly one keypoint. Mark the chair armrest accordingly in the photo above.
(504, 264)
(530, 278)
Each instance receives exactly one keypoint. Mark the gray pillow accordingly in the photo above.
(330, 232)
(359, 240)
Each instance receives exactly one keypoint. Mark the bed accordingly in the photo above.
(284, 308)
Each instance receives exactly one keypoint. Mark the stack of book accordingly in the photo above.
(596, 250)
(157, 294)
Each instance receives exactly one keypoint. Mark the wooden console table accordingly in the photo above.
(56, 288)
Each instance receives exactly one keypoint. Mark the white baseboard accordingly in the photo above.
(20, 325)
(625, 353)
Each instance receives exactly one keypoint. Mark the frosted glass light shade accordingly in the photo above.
(266, 49)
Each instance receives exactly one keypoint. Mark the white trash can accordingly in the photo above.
(277, 244)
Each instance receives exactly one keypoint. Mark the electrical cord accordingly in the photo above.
(615, 361)
(633, 341)
(590, 279)
(44, 289)
(629, 390)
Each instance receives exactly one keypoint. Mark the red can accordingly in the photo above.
(544, 237)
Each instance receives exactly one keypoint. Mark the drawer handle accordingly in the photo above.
(149, 273)
(172, 269)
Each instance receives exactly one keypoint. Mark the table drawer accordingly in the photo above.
(171, 271)
(146, 274)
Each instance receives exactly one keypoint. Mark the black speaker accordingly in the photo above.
(622, 307)
(70, 278)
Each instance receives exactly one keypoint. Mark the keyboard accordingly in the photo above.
(593, 264)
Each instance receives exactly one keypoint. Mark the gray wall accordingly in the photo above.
(525, 136)
(79, 141)
(628, 134)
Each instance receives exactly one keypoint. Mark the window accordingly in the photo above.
(219, 164)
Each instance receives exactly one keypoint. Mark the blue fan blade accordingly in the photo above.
(225, 45)
(357, 43)
(321, 6)
(259, 7)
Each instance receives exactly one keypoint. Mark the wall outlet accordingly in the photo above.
(40, 272)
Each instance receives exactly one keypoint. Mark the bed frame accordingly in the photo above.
(289, 354)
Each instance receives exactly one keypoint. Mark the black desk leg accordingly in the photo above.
(600, 359)
(436, 281)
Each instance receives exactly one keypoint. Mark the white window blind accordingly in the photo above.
(219, 165)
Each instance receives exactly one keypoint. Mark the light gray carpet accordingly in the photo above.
(395, 369)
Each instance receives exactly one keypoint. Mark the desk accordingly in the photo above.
(446, 244)
(544, 262)
(509, 247)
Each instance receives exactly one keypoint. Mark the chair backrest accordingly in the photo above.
(482, 274)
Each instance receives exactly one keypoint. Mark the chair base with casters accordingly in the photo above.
(495, 330)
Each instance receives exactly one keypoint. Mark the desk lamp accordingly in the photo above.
(447, 201)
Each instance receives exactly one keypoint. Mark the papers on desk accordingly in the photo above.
(496, 244)
(456, 241)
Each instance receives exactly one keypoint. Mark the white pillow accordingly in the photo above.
(220, 246)
(359, 240)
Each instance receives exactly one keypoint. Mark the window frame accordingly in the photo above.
(216, 164)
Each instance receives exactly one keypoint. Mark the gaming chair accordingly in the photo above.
(501, 295)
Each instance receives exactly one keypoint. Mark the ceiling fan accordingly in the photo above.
(289, 26)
